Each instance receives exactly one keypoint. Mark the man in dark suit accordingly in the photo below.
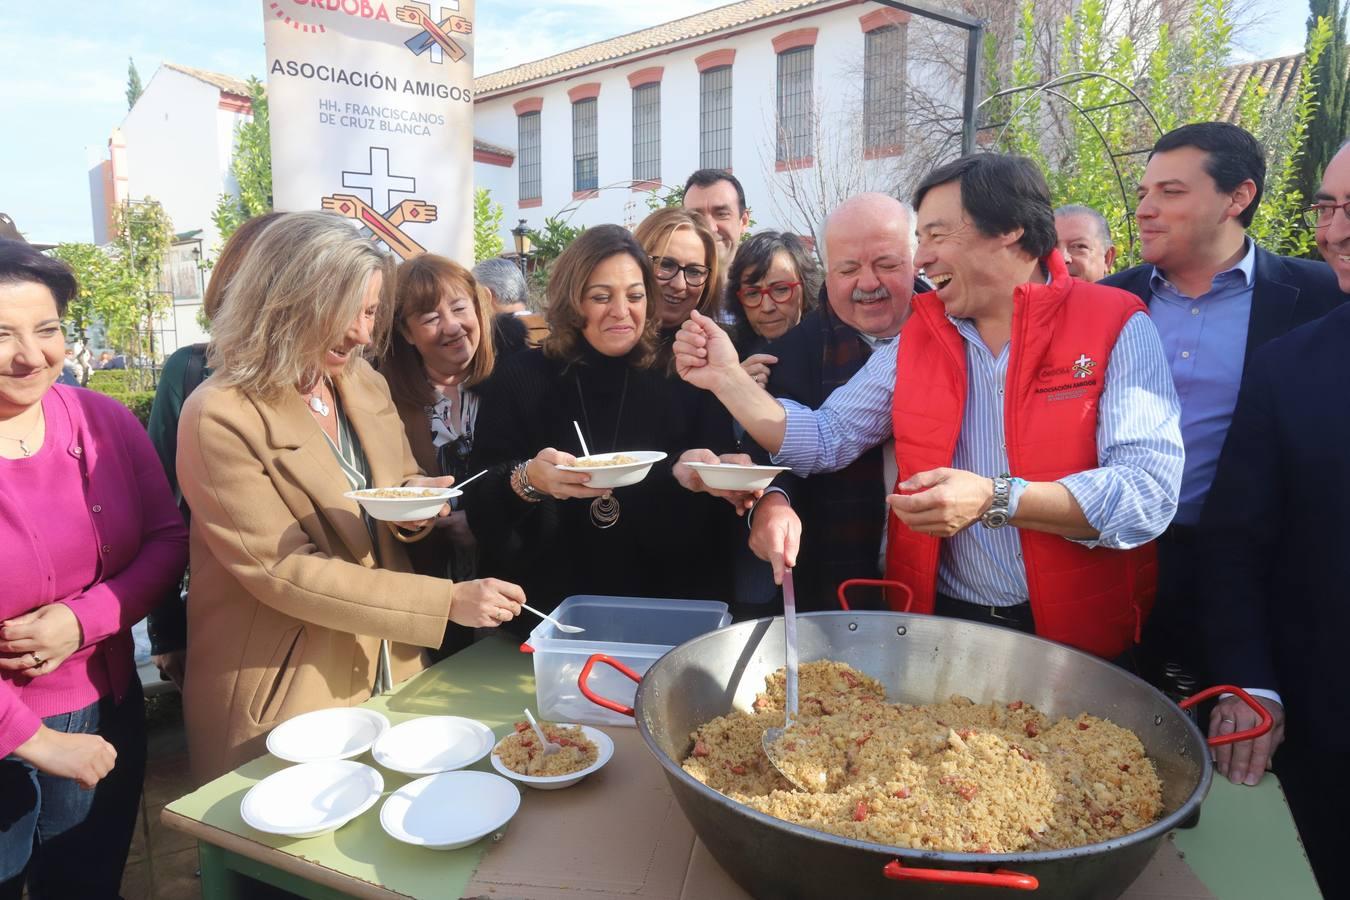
(1214, 297)
(1274, 564)
(865, 300)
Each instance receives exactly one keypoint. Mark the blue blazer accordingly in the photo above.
(1287, 292)
(1274, 553)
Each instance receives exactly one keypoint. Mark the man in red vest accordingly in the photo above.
(1036, 427)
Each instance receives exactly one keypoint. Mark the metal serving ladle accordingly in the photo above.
(773, 735)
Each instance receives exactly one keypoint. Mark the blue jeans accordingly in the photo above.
(64, 841)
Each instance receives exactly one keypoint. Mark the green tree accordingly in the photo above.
(1087, 135)
(102, 290)
(134, 89)
(548, 243)
(1330, 124)
(143, 235)
(251, 167)
(487, 226)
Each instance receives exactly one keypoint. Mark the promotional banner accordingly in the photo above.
(371, 105)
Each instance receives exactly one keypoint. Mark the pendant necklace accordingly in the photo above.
(26, 450)
(604, 510)
(315, 398)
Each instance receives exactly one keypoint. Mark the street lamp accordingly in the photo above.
(522, 235)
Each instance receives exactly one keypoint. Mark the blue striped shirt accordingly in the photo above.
(1129, 499)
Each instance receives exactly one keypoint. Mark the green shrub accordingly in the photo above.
(139, 402)
(110, 381)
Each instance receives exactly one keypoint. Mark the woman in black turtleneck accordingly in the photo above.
(684, 254)
(533, 521)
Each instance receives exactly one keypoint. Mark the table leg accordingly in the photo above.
(229, 876)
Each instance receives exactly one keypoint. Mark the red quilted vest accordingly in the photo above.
(1062, 336)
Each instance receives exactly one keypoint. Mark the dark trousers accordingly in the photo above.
(1173, 634)
(67, 842)
(1016, 617)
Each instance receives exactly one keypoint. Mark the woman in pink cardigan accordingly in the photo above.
(90, 540)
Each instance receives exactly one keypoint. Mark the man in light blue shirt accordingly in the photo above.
(986, 239)
(1214, 297)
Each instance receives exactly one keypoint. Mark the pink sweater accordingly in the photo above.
(87, 521)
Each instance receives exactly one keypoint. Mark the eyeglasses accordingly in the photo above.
(1319, 215)
(667, 269)
(779, 292)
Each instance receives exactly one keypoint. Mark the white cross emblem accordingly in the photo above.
(1083, 366)
(378, 181)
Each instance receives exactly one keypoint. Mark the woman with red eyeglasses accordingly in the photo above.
(772, 283)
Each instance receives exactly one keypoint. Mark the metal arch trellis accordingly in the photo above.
(1052, 87)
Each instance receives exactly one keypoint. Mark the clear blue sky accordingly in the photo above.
(63, 88)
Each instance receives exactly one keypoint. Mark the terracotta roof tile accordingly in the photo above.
(1279, 77)
(697, 25)
(224, 82)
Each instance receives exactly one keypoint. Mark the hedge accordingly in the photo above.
(116, 383)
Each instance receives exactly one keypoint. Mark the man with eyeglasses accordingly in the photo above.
(1274, 561)
(1215, 297)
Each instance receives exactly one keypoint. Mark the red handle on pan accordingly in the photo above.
(596, 698)
(1267, 720)
(999, 878)
(874, 582)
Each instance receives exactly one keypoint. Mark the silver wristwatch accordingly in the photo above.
(996, 516)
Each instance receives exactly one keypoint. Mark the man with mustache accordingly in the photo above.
(1272, 565)
(1016, 395)
(1215, 297)
(869, 279)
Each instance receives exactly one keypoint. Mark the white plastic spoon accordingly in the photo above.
(550, 748)
(565, 629)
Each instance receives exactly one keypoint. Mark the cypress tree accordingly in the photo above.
(1330, 126)
(134, 89)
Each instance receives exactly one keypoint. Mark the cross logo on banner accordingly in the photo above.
(435, 38)
(386, 227)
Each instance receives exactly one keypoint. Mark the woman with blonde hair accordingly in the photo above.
(596, 368)
(684, 259)
(298, 600)
(440, 351)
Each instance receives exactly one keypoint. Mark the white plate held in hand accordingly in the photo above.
(433, 744)
(449, 810)
(620, 475)
(339, 733)
(732, 477)
(403, 509)
(311, 798)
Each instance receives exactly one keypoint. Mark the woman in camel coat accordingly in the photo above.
(297, 600)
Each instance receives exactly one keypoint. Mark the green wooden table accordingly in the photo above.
(1245, 846)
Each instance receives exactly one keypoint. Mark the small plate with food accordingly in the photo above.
(519, 756)
(614, 470)
(402, 504)
(734, 477)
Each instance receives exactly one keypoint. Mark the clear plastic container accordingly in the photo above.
(637, 631)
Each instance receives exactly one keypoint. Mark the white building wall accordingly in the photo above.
(837, 86)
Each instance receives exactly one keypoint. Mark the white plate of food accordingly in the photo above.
(449, 810)
(327, 734)
(572, 762)
(311, 798)
(433, 744)
(733, 477)
(614, 470)
(403, 504)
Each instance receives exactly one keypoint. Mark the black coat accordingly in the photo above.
(668, 542)
(1275, 533)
